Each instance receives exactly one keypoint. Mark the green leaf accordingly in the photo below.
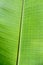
(31, 46)
(10, 14)
(21, 32)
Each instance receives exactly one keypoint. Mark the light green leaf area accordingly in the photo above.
(10, 13)
(31, 52)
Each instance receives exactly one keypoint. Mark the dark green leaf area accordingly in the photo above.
(4, 60)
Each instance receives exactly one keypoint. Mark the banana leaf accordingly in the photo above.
(21, 32)
(10, 14)
(31, 44)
